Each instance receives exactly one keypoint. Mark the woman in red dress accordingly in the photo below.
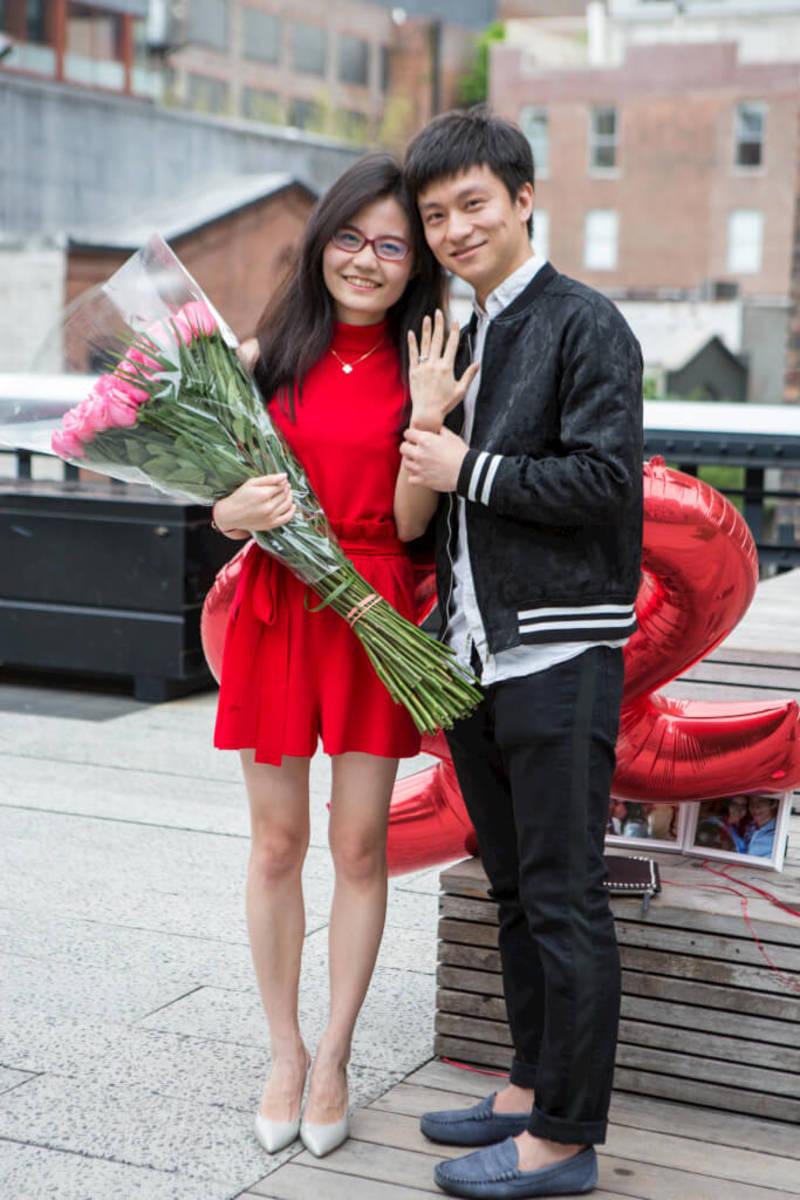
(332, 354)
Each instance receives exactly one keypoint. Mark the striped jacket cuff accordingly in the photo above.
(589, 622)
(477, 474)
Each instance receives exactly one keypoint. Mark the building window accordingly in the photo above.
(261, 35)
(305, 114)
(600, 240)
(260, 105)
(354, 126)
(93, 52)
(541, 232)
(26, 20)
(533, 123)
(750, 135)
(745, 241)
(207, 95)
(385, 68)
(207, 23)
(603, 139)
(353, 60)
(308, 49)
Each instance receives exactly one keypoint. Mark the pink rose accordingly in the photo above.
(91, 415)
(66, 445)
(143, 360)
(76, 425)
(120, 410)
(199, 317)
(192, 320)
(108, 406)
(127, 367)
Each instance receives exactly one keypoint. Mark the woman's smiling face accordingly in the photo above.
(364, 287)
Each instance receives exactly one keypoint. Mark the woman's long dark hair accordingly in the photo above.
(297, 325)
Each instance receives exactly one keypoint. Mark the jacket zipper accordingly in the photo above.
(446, 609)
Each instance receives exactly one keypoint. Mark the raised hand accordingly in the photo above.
(434, 388)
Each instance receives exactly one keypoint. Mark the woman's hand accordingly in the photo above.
(434, 388)
(248, 353)
(257, 505)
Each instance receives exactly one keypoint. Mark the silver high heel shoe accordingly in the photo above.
(275, 1135)
(321, 1139)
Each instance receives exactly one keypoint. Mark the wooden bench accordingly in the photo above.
(705, 1018)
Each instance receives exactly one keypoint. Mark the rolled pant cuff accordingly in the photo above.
(556, 1129)
(522, 1074)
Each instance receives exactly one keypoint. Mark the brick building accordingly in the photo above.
(357, 70)
(354, 69)
(237, 240)
(671, 172)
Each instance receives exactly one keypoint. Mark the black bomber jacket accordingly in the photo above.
(553, 477)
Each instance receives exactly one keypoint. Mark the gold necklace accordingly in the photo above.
(347, 367)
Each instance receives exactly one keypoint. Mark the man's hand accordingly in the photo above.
(433, 459)
(433, 386)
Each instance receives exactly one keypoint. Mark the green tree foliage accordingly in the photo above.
(474, 86)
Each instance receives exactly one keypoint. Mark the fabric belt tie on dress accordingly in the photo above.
(257, 589)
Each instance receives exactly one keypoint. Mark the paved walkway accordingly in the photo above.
(132, 1043)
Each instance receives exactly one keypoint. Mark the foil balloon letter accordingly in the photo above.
(699, 573)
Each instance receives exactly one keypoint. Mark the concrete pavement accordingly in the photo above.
(132, 1042)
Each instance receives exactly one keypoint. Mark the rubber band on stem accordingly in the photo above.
(363, 606)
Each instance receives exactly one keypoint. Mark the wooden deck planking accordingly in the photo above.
(656, 1150)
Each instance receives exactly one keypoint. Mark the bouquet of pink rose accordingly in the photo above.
(175, 408)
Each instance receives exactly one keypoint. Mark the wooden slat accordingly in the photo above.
(470, 933)
(476, 958)
(297, 1181)
(496, 1032)
(706, 914)
(480, 1053)
(436, 1074)
(468, 908)
(673, 1016)
(637, 983)
(739, 1163)
(710, 1095)
(707, 945)
(694, 1123)
(693, 1068)
(412, 1100)
(684, 966)
(705, 1045)
(469, 1004)
(482, 982)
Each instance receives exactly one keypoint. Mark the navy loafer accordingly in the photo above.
(493, 1174)
(476, 1126)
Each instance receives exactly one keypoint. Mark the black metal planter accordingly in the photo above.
(106, 582)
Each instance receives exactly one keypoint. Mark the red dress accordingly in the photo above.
(288, 674)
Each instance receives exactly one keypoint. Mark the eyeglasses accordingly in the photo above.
(390, 249)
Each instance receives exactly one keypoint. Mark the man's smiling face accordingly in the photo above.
(474, 227)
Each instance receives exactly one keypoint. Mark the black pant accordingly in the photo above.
(535, 762)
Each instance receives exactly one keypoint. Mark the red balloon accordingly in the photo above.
(699, 573)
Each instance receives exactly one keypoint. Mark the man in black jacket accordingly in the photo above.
(536, 480)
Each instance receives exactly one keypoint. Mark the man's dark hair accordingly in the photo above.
(455, 141)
